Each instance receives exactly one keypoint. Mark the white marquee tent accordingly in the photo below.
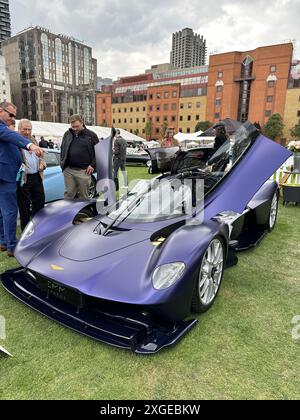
(57, 130)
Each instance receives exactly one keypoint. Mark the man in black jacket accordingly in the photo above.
(78, 160)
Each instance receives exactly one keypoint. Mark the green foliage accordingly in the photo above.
(274, 127)
(203, 125)
(295, 132)
(163, 129)
(149, 128)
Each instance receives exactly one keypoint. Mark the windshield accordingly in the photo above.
(179, 194)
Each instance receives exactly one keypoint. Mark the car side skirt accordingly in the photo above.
(128, 328)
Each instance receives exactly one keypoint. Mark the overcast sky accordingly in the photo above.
(128, 36)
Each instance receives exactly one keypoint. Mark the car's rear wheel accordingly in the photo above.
(83, 216)
(93, 188)
(209, 276)
(273, 212)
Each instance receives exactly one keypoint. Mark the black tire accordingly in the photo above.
(273, 212)
(199, 303)
(93, 188)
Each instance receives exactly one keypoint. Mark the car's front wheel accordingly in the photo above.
(273, 212)
(209, 276)
(93, 188)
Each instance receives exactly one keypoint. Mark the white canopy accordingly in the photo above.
(187, 136)
(57, 130)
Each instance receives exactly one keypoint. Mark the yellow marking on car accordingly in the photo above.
(158, 241)
(56, 268)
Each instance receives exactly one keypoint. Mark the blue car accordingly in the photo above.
(132, 274)
(54, 180)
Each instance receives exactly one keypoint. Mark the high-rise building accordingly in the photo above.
(4, 81)
(188, 49)
(5, 30)
(52, 76)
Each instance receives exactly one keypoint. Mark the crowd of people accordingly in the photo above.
(22, 166)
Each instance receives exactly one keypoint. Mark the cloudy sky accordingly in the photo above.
(128, 36)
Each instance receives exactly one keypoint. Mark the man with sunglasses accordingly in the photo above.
(11, 144)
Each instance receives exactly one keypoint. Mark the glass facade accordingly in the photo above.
(59, 61)
(86, 66)
(70, 63)
(45, 56)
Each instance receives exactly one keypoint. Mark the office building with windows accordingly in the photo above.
(5, 29)
(52, 76)
(4, 81)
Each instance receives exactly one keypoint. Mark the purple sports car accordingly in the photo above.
(131, 274)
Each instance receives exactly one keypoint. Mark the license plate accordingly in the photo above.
(61, 292)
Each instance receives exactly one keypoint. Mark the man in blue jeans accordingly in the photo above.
(11, 144)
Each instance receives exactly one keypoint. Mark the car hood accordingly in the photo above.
(85, 244)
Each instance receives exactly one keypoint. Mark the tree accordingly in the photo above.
(295, 132)
(163, 129)
(274, 127)
(149, 129)
(203, 125)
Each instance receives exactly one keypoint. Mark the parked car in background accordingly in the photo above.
(136, 154)
(54, 180)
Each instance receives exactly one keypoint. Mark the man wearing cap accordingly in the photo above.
(221, 135)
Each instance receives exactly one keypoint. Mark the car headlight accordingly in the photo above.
(28, 231)
(166, 275)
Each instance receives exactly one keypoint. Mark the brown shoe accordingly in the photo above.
(3, 248)
(10, 254)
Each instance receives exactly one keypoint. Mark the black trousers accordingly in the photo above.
(31, 198)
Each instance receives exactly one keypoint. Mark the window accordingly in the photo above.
(125, 121)
(188, 130)
(144, 109)
(268, 113)
(174, 94)
(181, 118)
(189, 118)
(125, 109)
(166, 107)
(157, 107)
(198, 104)
(272, 69)
(157, 131)
(150, 96)
(104, 101)
(131, 109)
(119, 121)
(165, 118)
(181, 105)
(114, 121)
(220, 75)
(173, 118)
(137, 120)
(218, 102)
(219, 88)
(271, 84)
(190, 105)
(157, 119)
(197, 117)
(269, 98)
(137, 109)
(166, 95)
(158, 95)
(131, 120)
(144, 120)
(180, 130)
(217, 115)
(298, 113)
(150, 108)
(174, 107)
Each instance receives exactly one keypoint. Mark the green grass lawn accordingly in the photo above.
(241, 348)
